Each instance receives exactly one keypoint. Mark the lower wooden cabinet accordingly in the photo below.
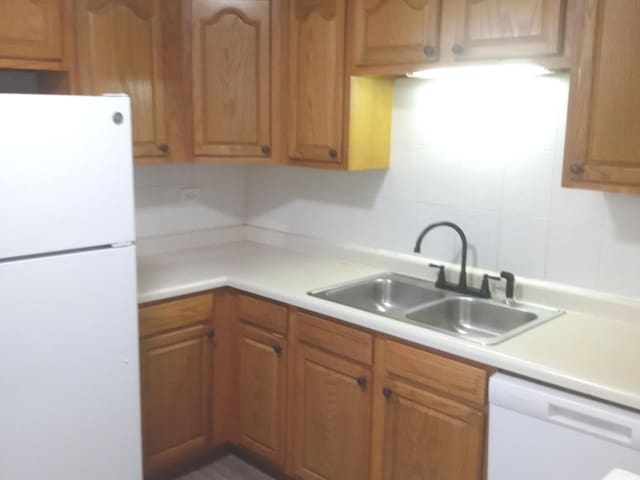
(428, 415)
(332, 417)
(263, 372)
(175, 374)
(314, 398)
(423, 435)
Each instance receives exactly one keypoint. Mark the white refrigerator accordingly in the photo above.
(69, 371)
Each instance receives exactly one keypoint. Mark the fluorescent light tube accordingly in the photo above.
(473, 72)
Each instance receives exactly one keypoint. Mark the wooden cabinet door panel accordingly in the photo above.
(603, 129)
(263, 367)
(420, 435)
(120, 51)
(507, 28)
(31, 29)
(176, 381)
(232, 77)
(396, 32)
(316, 79)
(332, 417)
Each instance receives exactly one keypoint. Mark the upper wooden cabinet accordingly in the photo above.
(486, 29)
(120, 50)
(603, 129)
(316, 79)
(334, 121)
(236, 50)
(395, 32)
(401, 36)
(31, 29)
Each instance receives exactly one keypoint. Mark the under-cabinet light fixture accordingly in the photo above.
(506, 71)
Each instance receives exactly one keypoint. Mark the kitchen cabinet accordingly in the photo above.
(334, 121)
(401, 36)
(107, 30)
(32, 31)
(39, 36)
(263, 381)
(175, 373)
(403, 33)
(603, 126)
(236, 55)
(429, 415)
(490, 29)
(332, 409)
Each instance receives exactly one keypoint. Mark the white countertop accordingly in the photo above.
(588, 354)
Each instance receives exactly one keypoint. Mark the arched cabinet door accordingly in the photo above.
(395, 32)
(31, 29)
(232, 78)
(107, 32)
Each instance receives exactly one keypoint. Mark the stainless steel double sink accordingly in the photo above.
(418, 302)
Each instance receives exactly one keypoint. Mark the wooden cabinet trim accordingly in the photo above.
(263, 313)
(448, 376)
(348, 342)
(161, 317)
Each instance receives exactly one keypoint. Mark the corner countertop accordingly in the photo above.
(595, 356)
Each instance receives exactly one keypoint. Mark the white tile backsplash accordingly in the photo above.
(160, 209)
(485, 155)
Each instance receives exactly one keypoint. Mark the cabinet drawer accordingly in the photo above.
(345, 341)
(270, 316)
(175, 314)
(443, 374)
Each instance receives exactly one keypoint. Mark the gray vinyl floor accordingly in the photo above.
(227, 468)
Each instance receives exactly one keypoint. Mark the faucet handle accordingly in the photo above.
(485, 290)
(441, 277)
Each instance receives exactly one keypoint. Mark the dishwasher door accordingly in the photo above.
(541, 433)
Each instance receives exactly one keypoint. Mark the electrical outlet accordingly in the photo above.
(190, 195)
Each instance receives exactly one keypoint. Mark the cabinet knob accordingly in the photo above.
(277, 349)
(387, 392)
(457, 49)
(576, 169)
(266, 150)
(333, 153)
(211, 334)
(429, 51)
(118, 118)
(164, 148)
(362, 381)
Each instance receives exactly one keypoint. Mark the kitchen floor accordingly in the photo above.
(227, 468)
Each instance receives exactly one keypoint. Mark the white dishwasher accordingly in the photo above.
(541, 433)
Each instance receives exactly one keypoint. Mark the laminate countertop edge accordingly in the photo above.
(587, 354)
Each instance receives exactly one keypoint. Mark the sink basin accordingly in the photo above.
(483, 321)
(418, 302)
(389, 294)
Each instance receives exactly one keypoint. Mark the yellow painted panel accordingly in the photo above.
(370, 123)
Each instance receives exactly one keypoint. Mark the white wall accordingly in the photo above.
(486, 155)
(160, 209)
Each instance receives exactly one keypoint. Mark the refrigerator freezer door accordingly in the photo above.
(69, 374)
(66, 173)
